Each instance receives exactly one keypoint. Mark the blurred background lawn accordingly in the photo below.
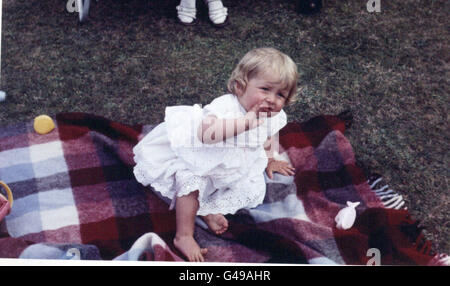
(131, 59)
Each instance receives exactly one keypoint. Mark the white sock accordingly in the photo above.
(213, 5)
(187, 4)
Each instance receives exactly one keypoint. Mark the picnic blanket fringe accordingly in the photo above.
(392, 200)
(104, 208)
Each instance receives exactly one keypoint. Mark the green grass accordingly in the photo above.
(131, 59)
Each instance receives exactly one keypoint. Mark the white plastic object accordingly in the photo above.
(346, 216)
(2, 96)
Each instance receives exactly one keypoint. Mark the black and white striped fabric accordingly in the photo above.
(389, 197)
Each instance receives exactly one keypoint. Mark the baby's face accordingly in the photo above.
(265, 90)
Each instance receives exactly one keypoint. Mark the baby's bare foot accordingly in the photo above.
(216, 222)
(189, 247)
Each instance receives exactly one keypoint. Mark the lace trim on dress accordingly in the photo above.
(141, 176)
(243, 194)
(229, 203)
(185, 184)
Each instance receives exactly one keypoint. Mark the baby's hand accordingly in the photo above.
(252, 119)
(281, 167)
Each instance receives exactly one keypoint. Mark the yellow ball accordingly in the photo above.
(43, 124)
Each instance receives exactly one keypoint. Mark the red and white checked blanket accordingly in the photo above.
(75, 194)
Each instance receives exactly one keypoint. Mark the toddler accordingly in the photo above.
(210, 161)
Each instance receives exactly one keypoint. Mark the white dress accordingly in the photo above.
(229, 175)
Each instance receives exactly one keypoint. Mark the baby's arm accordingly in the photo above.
(273, 165)
(213, 130)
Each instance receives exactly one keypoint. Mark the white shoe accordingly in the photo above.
(217, 13)
(186, 16)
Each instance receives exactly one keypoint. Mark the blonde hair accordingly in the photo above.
(263, 61)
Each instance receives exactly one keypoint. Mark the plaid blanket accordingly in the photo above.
(76, 198)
